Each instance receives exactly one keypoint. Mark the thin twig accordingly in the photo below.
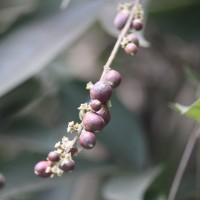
(74, 141)
(198, 168)
(183, 163)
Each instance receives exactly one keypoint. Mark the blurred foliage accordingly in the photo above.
(47, 56)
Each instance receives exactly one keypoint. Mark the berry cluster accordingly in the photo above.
(95, 115)
(130, 41)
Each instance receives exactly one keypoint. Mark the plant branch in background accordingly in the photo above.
(192, 112)
(183, 163)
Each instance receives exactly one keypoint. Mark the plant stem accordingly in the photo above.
(77, 135)
(118, 42)
(183, 163)
(198, 168)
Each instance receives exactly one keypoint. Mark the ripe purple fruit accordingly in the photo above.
(40, 169)
(53, 156)
(131, 49)
(113, 77)
(93, 122)
(133, 38)
(69, 165)
(105, 114)
(73, 151)
(101, 91)
(95, 104)
(137, 24)
(121, 19)
(87, 140)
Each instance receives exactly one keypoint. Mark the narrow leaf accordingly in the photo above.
(25, 51)
(191, 75)
(129, 186)
(192, 111)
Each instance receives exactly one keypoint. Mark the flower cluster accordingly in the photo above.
(95, 114)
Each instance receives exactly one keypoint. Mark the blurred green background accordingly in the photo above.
(47, 55)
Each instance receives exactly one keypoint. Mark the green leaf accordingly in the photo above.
(30, 47)
(129, 186)
(26, 133)
(21, 180)
(17, 99)
(180, 11)
(192, 111)
(158, 6)
(11, 11)
(191, 75)
(124, 136)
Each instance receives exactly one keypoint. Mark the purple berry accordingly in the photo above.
(131, 49)
(53, 156)
(73, 151)
(133, 38)
(121, 19)
(87, 140)
(105, 114)
(137, 24)
(95, 104)
(93, 122)
(113, 77)
(40, 169)
(69, 165)
(101, 91)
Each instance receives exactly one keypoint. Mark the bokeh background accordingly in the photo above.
(47, 55)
